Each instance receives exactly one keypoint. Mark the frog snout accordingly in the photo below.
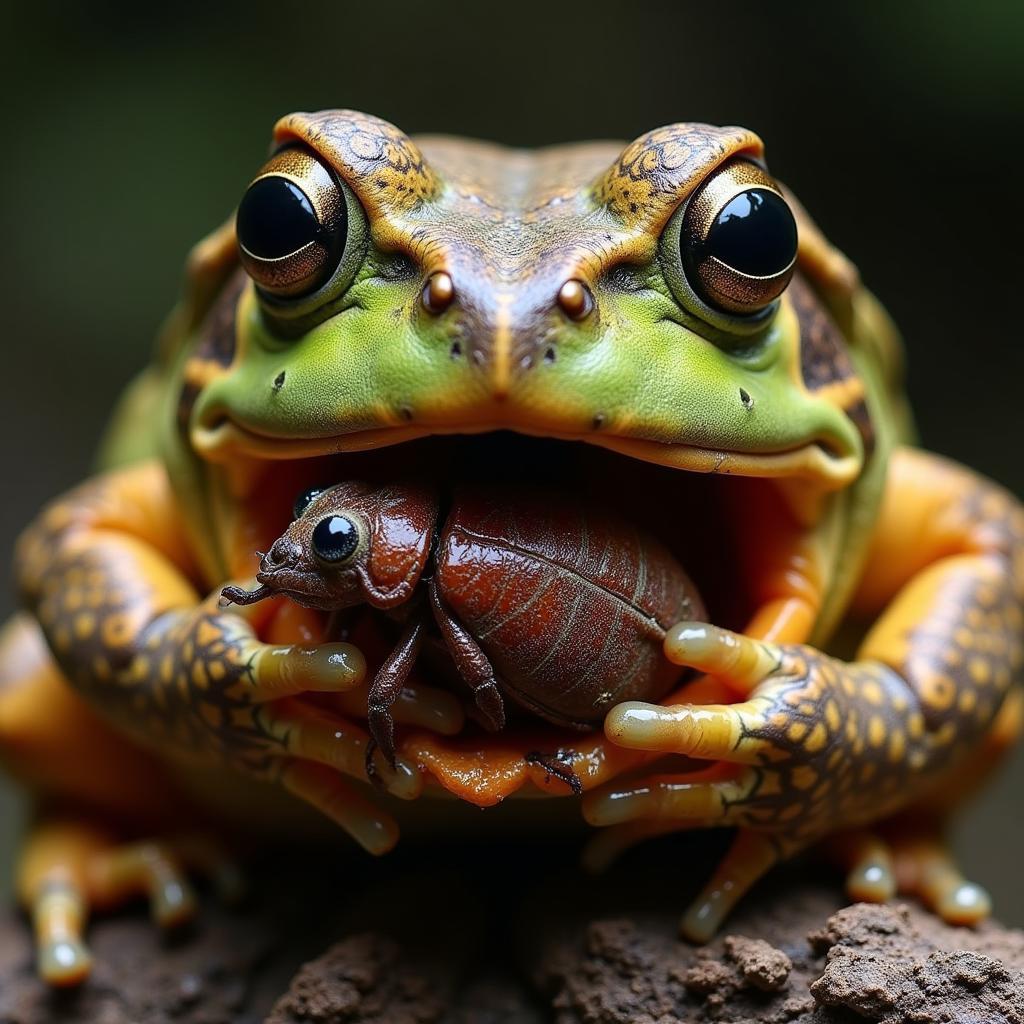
(509, 328)
(283, 554)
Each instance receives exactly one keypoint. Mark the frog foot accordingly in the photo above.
(271, 711)
(817, 745)
(916, 864)
(69, 870)
(315, 749)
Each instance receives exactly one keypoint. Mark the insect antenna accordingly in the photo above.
(237, 595)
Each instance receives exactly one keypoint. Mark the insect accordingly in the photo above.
(559, 606)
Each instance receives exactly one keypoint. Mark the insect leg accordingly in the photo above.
(559, 766)
(472, 663)
(310, 734)
(387, 685)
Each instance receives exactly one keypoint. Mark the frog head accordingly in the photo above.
(666, 304)
(634, 299)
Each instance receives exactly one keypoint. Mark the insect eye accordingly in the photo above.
(335, 540)
(304, 500)
(291, 225)
(738, 241)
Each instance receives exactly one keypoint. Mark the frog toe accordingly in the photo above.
(64, 962)
(867, 861)
(925, 869)
(710, 797)
(274, 671)
(871, 881)
(740, 661)
(718, 796)
(58, 913)
(709, 731)
(160, 871)
(370, 826)
(964, 903)
(726, 732)
(309, 734)
(750, 857)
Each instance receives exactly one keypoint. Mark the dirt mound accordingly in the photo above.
(548, 946)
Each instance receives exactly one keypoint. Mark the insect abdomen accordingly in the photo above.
(570, 605)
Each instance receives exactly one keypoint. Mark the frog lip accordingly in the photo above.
(814, 460)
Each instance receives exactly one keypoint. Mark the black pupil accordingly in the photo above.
(335, 538)
(275, 218)
(754, 233)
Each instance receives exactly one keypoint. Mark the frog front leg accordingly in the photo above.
(821, 745)
(106, 572)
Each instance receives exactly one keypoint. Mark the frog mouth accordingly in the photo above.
(711, 520)
(748, 547)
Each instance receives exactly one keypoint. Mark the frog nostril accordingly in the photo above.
(283, 553)
(438, 292)
(575, 299)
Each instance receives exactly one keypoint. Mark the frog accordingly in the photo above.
(657, 327)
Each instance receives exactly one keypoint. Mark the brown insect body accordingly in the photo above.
(570, 604)
(561, 607)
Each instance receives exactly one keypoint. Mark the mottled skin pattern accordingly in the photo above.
(642, 187)
(833, 746)
(837, 518)
(186, 681)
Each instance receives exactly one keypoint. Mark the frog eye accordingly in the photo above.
(738, 240)
(305, 499)
(291, 225)
(335, 540)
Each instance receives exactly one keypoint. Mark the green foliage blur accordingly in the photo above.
(131, 130)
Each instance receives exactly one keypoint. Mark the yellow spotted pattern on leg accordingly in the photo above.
(823, 746)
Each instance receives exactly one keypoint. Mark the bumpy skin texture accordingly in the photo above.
(801, 399)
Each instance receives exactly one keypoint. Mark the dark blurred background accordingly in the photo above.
(128, 136)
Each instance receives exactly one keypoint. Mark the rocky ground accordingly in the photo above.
(481, 935)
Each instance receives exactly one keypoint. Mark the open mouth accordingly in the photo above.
(705, 520)
(818, 460)
(730, 534)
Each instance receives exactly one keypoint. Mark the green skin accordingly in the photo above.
(802, 391)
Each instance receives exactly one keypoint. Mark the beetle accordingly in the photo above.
(558, 605)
